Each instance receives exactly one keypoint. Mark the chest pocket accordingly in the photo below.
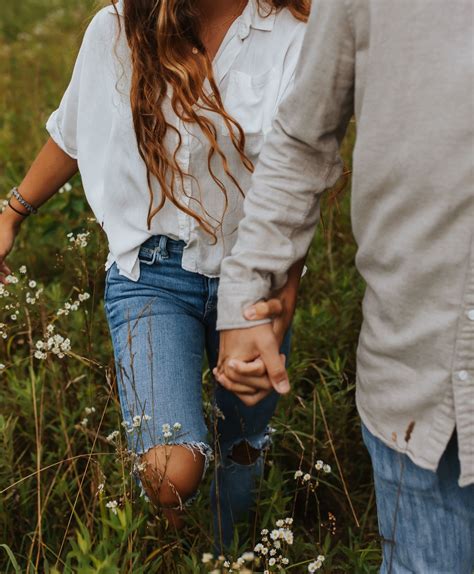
(250, 100)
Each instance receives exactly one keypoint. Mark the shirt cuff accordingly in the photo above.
(52, 126)
(231, 304)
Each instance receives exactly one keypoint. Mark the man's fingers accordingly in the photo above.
(275, 365)
(234, 368)
(264, 310)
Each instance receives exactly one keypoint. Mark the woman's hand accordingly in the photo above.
(250, 364)
(249, 379)
(9, 227)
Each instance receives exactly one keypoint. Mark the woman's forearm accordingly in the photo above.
(51, 169)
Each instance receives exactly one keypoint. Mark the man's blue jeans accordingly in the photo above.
(426, 520)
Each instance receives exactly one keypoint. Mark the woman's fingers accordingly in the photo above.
(235, 368)
(4, 271)
(257, 383)
(264, 310)
(237, 388)
(252, 400)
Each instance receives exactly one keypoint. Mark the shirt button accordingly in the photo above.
(463, 375)
(470, 314)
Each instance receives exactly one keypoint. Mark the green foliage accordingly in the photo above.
(56, 474)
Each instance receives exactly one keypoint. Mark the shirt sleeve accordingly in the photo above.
(299, 161)
(62, 124)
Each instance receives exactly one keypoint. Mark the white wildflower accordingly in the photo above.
(306, 477)
(315, 565)
(319, 465)
(2, 366)
(298, 474)
(84, 422)
(248, 556)
(177, 427)
(137, 421)
(327, 468)
(112, 505)
(113, 435)
(23, 269)
(89, 410)
(32, 284)
(206, 558)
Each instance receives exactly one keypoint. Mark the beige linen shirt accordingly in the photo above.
(405, 68)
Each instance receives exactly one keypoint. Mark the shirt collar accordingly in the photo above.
(119, 6)
(254, 16)
(257, 16)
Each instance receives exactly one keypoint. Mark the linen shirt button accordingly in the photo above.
(470, 314)
(463, 375)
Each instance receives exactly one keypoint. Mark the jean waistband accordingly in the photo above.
(163, 244)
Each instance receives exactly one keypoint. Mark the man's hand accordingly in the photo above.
(255, 380)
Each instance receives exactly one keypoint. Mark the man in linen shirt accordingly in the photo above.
(406, 70)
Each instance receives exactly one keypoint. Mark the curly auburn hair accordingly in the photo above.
(163, 36)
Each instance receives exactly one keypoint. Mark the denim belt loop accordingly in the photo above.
(162, 248)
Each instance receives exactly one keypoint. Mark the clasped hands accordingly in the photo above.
(250, 363)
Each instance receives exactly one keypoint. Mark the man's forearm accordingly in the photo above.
(299, 161)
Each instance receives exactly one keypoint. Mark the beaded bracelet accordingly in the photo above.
(17, 195)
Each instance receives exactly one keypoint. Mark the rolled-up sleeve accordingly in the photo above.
(62, 124)
(299, 161)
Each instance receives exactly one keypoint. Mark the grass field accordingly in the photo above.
(58, 471)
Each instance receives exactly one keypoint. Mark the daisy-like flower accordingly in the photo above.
(89, 410)
(207, 557)
(306, 477)
(319, 465)
(22, 269)
(327, 468)
(248, 556)
(112, 504)
(177, 427)
(113, 435)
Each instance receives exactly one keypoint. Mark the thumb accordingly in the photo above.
(264, 310)
(275, 365)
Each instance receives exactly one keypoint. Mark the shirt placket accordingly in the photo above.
(183, 159)
(463, 377)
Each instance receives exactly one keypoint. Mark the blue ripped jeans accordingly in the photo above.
(426, 519)
(162, 326)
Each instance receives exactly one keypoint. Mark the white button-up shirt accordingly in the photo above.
(253, 68)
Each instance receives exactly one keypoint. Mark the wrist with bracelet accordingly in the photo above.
(30, 209)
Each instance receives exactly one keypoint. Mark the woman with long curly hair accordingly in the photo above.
(165, 115)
